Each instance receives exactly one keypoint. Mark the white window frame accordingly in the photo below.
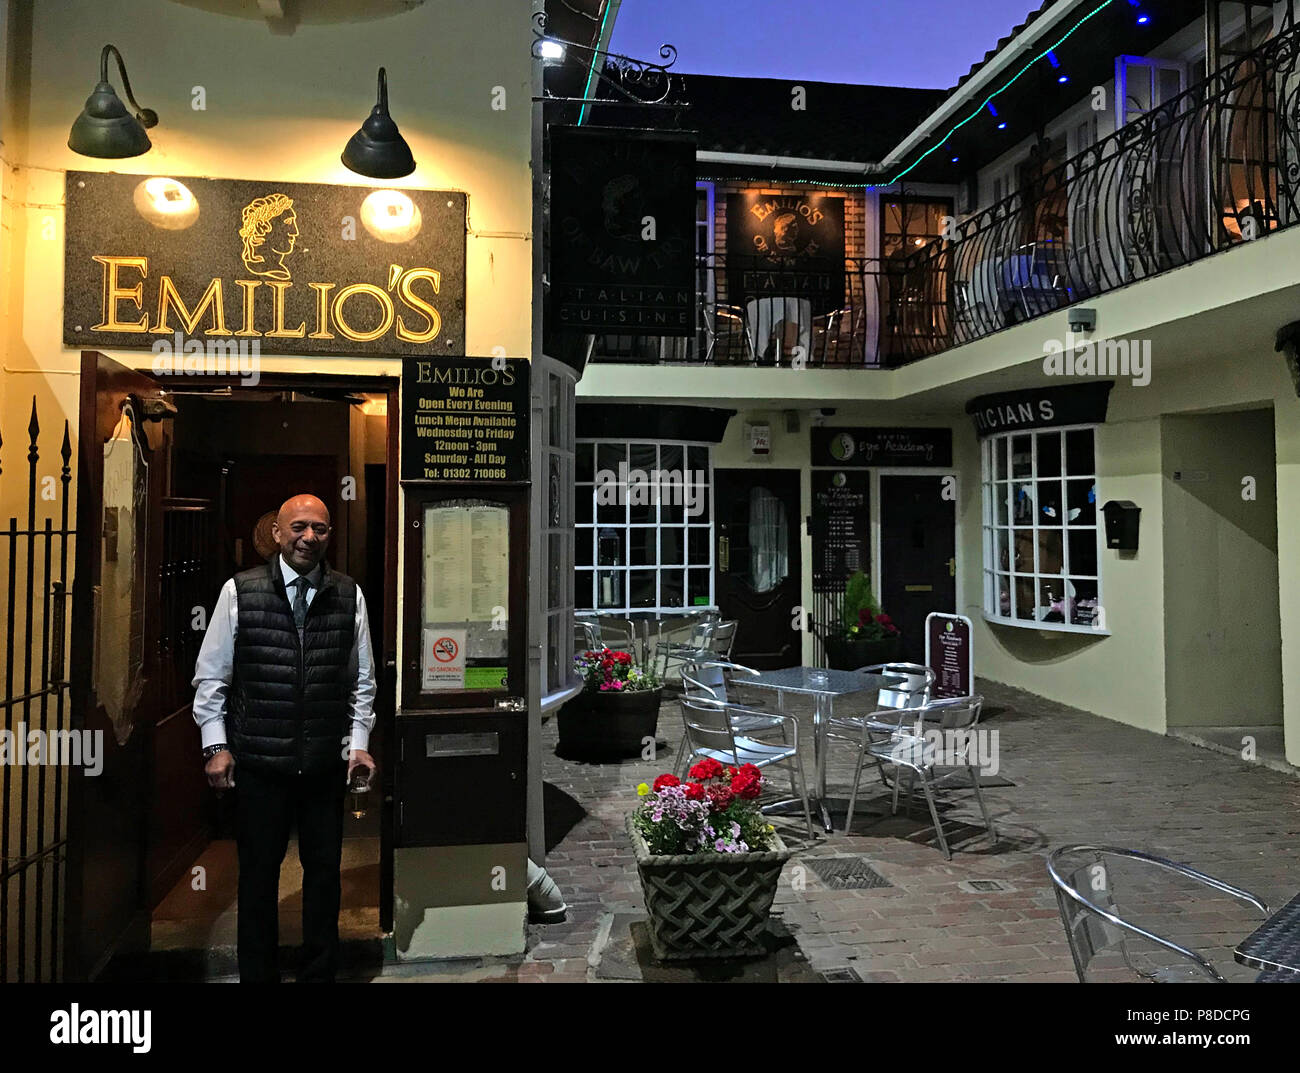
(587, 599)
(556, 616)
(989, 528)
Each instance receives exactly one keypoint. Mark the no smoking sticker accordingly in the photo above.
(444, 659)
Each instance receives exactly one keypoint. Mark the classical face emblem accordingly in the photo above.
(269, 229)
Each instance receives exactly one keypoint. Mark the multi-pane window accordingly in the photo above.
(556, 467)
(1040, 529)
(644, 527)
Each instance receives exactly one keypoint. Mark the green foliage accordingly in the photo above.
(857, 595)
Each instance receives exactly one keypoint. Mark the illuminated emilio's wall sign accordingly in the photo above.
(301, 268)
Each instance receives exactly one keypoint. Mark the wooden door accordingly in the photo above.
(123, 433)
(758, 563)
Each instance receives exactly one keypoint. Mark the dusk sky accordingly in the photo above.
(926, 43)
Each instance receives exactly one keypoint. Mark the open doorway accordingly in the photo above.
(1223, 636)
(209, 464)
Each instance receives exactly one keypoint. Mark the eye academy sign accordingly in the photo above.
(858, 447)
(225, 265)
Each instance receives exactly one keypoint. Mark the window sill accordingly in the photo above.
(1045, 627)
(554, 700)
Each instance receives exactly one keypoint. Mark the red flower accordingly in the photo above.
(747, 785)
(694, 791)
(708, 768)
(884, 619)
(864, 616)
(623, 657)
(719, 798)
(666, 780)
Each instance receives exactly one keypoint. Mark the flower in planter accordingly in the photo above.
(717, 812)
(608, 671)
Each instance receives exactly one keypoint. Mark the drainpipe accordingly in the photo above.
(1288, 343)
(545, 899)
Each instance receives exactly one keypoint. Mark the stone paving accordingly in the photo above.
(1076, 778)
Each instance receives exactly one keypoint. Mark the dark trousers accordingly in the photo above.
(267, 806)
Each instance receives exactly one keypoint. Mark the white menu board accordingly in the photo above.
(466, 573)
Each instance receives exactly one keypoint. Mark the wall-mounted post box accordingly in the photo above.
(1122, 524)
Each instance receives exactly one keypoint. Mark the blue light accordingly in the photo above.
(1063, 79)
(1002, 125)
(1051, 58)
(992, 111)
(1143, 19)
(955, 159)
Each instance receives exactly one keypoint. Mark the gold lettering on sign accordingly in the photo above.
(277, 308)
(418, 304)
(385, 304)
(322, 310)
(169, 297)
(114, 292)
(249, 286)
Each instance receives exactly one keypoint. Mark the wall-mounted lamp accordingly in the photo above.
(105, 128)
(551, 52)
(378, 149)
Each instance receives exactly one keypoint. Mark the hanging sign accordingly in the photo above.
(948, 653)
(1046, 407)
(841, 527)
(465, 419)
(623, 230)
(786, 246)
(882, 447)
(200, 270)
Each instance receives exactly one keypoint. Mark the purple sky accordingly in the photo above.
(927, 43)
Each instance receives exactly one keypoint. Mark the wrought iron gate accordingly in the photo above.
(34, 797)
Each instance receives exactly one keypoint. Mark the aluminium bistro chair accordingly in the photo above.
(915, 751)
(717, 680)
(698, 645)
(1095, 925)
(710, 733)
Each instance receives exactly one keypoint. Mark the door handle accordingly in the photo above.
(724, 554)
(952, 567)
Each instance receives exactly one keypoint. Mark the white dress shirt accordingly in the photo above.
(214, 670)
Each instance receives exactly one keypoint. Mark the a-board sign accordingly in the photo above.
(465, 419)
(948, 653)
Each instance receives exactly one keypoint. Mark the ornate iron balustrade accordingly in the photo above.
(1214, 167)
(752, 311)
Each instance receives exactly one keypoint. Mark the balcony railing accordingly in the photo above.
(1214, 167)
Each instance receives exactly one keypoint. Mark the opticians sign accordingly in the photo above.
(215, 265)
(1047, 407)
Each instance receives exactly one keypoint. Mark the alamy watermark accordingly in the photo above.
(179, 356)
(22, 747)
(642, 488)
(1109, 357)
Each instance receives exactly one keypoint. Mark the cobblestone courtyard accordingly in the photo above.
(1075, 777)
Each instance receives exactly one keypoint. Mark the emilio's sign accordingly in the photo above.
(294, 268)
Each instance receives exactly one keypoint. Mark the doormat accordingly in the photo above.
(628, 956)
(846, 873)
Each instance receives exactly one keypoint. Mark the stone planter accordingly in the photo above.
(609, 724)
(708, 905)
(843, 655)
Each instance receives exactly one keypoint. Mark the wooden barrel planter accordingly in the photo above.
(609, 725)
(708, 905)
(845, 655)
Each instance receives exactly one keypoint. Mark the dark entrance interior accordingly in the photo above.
(758, 563)
(214, 466)
(918, 551)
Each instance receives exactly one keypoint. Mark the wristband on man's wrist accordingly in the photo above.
(212, 751)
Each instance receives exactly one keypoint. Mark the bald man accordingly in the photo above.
(285, 692)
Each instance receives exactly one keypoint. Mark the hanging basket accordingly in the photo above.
(708, 905)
